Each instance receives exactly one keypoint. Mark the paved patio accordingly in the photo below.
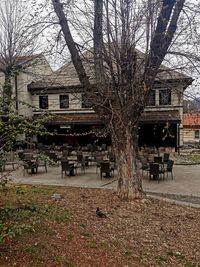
(186, 180)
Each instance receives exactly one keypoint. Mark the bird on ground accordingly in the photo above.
(100, 214)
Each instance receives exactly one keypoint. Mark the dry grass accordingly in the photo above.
(66, 232)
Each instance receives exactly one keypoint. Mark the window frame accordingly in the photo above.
(168, 96)
(62, 102)
(196, 134)
(42, 104)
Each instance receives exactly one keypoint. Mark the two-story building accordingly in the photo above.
(75, 122)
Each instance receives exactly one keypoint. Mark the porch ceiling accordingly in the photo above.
(172, 116)
(66, 119)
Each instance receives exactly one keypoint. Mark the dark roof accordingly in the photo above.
(160, 117)
(66, 76)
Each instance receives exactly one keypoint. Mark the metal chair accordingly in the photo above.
(27, 156)
(81, 161)
(99, 159)
(158, 160)
(169, 168)
(155, 171)
(105, 168)
(9, 160)
(67, 167)
(41, 163)
(166, 157)
(29, 165)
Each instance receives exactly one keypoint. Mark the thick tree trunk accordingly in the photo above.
(129, 178)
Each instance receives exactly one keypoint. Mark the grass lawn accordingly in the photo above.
(37, 230)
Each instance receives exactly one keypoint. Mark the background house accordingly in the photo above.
(191, 128)
(33, 68)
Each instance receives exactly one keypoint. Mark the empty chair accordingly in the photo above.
(169, 167)
(155, 171)
(27, 156)
(99, 159)
(29, 165)
(66, 167)
(9, 160)
(105, 168)
(158, 160)
(81, 161)
(41, 163)
(21, 155)
(166, 157)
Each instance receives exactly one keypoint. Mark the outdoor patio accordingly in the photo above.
(186, 180)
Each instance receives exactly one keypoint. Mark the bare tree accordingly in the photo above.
(18, 40)
(123, 75)
(19, 31)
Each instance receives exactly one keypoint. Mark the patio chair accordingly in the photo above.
(81, 161)
(99, 159)
(169, 168)
(166, 157)
(106, 168)
(158, 160)
(9, 160)
(29, 165)
(154, 170)
(67, 167)
(21, 155)
(41, 163)
(27, 156)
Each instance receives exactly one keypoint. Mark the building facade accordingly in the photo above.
(75, 122)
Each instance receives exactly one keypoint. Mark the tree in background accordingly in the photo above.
(19, 32)
(123, 75)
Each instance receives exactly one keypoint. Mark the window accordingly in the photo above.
(64, 101)
(43, 101)
(196, 134)
(165, 97)
(152, 98)
(85, 102)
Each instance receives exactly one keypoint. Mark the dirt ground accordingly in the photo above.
(38, 230)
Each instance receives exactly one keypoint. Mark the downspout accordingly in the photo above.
(16, 94)
(178, 139)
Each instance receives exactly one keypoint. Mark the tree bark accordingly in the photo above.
(129, 178)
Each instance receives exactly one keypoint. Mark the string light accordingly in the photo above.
(99, 135)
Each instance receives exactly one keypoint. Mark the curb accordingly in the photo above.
(175, 202)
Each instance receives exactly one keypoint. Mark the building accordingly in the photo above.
(75, 122)
(34, 67)
(191, 128)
